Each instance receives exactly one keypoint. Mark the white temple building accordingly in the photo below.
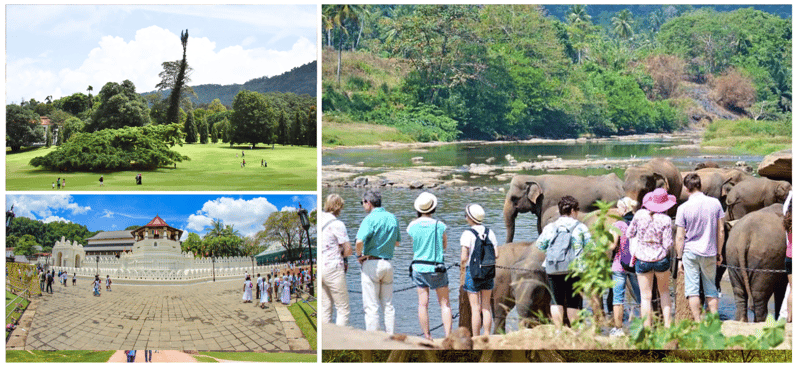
(156, 256)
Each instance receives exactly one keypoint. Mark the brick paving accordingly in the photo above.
(203, 317)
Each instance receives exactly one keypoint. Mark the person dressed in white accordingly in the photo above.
(335, 248)
(247, 290)
(286, 295)
(264, 294)
(478, 292)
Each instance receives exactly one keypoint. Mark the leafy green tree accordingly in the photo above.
(128, 148)
(250, 247)
(26, 245)
(190, 128)
(193, 243)
(216, 107)
(337, 17)
(177, 88)
(74, 104)
(120, 106)
(252, 120)
(310, 128)
(283, 227)
(22, 127)
(48, 137)
(282, 129)
(214, 134)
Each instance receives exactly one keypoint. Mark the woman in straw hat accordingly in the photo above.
(478, 290)
(428, 270)
(652, 229)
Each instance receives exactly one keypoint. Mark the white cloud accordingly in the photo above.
(288, 209)
(108, 214)
(184, 236)
(55, 219)
(139, 60)
(246, 216)
(44, 206)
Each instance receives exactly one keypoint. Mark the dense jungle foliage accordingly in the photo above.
(445, 72)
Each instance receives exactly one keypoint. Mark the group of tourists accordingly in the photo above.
(46, 279)
(376, 240)
(275, 287)
(640, 255)
(59, 183)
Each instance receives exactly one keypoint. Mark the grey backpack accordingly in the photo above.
(561, 252)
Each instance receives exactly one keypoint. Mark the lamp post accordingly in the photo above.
(303, 218)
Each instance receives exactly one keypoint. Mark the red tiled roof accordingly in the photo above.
(156, 222)
(45, 120)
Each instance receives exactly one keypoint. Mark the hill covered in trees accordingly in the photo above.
(445, 72)
(300, 80)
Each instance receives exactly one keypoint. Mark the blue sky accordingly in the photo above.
(187, 212)
(62, 49)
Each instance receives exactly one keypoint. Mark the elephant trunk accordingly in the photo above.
(510, 214)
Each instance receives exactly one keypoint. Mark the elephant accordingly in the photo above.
(753, 194)
(657, 173)
(536, 194)
(712, 184)
(731, 176)
(520, 283)
(758, 242)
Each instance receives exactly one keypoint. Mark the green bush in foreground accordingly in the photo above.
(130, 148)
(705, 335)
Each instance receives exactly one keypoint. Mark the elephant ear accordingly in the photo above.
(727, 187)
(533, 191)
(782, 190)
(661, 182)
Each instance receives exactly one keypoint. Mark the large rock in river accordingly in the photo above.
(777, 166)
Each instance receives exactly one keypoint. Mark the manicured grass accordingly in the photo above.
(205, 359)
(338, 133)
(749, 136)
(263, 357)
(212, 167)
(307, 323)
(60, 356)
(16, 315)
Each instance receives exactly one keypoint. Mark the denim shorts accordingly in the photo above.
(699, 269)
(659, 266)
(431, 280)
(474, 287)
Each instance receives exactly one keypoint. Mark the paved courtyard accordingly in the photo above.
(208, 316)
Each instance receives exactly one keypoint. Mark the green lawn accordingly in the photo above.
(212, 167)
(307, 323)
(16, 315)
(60, 356)
(262, 357)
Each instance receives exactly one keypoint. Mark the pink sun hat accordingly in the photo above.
(659, 200)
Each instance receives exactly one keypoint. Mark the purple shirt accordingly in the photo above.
(699, 217)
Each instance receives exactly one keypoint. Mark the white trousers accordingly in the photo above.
(333, 283)
(376, 278)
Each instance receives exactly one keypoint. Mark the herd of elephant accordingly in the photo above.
(755, 241)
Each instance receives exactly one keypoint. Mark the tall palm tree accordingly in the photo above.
(89, 90)
(217, 229)
(622, 24)
(338, 17)
(577, 14)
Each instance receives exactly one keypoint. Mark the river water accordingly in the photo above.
(451, 204)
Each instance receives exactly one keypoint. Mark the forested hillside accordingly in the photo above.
(445, 72)
(300, 80)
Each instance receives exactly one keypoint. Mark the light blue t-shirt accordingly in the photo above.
(423, 231)
(379, 233)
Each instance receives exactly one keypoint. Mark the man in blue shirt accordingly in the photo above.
(376, 239)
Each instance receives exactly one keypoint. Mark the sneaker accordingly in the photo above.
(616, 332)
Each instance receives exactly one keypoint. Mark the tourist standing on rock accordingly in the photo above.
(428, 270)
(247, 290)
(621, 269)
(376, 239)
(563, 241)
(653, 233)
(479, 289)
(699, 244)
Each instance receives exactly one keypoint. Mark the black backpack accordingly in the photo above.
(482, 264)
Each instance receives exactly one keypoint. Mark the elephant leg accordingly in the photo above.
(740, 295)
(780, 287)
(500, 311)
